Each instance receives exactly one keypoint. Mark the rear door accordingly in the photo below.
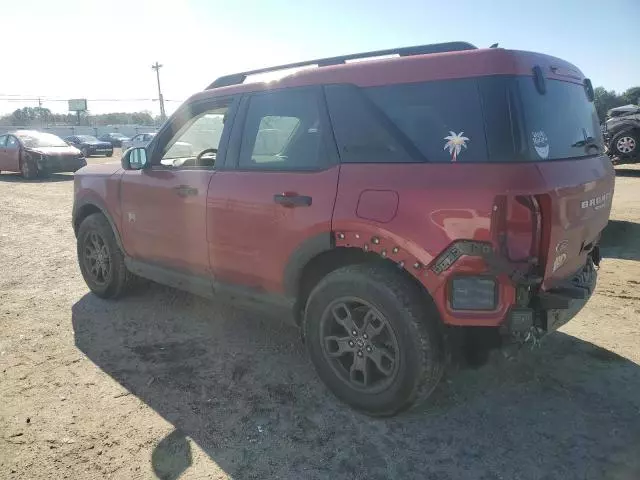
(277, 190)
(164, 205)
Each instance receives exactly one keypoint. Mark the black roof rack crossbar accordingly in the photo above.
(237, 78)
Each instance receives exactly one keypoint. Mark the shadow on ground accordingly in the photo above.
(627, 172)
(621, 239)
(243, 390)
(53, 177)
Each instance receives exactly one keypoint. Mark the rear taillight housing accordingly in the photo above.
(519, 228)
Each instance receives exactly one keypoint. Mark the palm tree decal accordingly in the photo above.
(455, 143)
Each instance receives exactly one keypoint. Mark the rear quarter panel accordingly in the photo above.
(441, 203)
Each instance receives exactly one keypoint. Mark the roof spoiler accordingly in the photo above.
(238, 78)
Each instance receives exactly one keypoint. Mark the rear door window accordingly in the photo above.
(283, 131)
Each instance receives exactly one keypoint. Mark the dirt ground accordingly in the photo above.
(164, 384)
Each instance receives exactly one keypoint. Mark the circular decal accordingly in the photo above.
(540, 143)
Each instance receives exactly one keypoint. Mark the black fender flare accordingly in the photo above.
(95, 203)
(307, 250)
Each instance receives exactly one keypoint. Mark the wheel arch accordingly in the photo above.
(89, 207)
(312, 266)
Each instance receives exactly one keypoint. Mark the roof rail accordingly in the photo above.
(237, 78)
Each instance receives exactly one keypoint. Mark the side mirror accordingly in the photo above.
(134, 159)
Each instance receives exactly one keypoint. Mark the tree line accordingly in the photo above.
(43, 117)
(608, 99)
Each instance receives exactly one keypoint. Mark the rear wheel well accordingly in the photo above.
(326, 262)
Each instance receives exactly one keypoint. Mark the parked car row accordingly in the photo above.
(35, 153)
(90, 145)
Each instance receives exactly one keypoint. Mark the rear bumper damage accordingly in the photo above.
(546, 311)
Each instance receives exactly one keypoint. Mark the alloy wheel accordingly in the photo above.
(359, 344)
(626, 144)
(97, 259)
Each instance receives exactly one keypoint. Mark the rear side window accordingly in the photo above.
(442, 119)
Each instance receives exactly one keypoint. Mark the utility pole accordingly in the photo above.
(156, 66)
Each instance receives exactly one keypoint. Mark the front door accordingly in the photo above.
(277, 189)
(164, 205)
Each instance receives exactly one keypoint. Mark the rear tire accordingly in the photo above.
(109, 154)
(100, 259)
(401, 360)
(626, 144)
(28, 167)
(85, 151)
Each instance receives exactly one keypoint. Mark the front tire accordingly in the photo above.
(86, 152)
(100, 258)
(109, 154)
(374, 339)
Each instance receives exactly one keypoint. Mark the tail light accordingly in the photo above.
(519, 228)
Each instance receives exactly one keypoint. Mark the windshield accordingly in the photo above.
(87, 138)
(39, 139)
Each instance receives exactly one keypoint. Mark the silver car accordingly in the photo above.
(139, 140)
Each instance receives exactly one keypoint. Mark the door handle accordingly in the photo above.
(185, 191)
(292, 200)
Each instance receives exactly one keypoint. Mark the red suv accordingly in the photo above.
(386, 206)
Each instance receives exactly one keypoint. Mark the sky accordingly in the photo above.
(103, 50)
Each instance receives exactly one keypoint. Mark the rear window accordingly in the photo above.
(560, 124)
(485, 119)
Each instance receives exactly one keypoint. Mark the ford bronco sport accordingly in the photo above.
(386, 205)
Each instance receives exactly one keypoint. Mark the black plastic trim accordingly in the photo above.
(237, 78)
(309, 249)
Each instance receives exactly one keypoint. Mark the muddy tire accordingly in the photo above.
(100, 259)
(374, 339)
(626, 144)
(28, 167)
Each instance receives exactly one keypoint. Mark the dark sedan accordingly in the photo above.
(90, 145)
(33, 153)
(114, 138)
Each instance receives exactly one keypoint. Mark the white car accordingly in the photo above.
(139, 140)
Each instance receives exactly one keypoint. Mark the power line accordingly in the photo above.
(45, 99)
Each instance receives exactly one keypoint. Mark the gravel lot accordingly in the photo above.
(164, 384)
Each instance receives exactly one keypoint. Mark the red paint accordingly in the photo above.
(250, 237)
(234, 230)
(377, 205)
